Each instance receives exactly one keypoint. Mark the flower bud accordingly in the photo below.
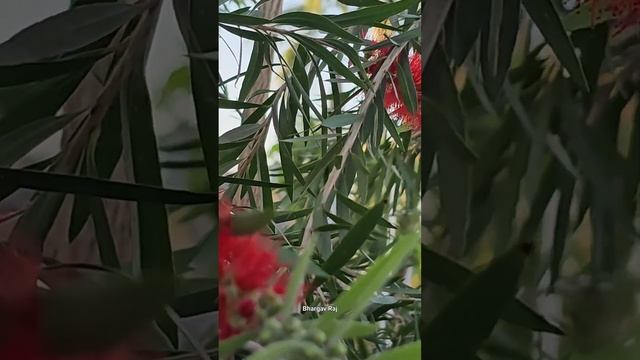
(265, 336)
(300, 334)
(338, 349)
(293, 325)
(313, 352)
(271, 303)
(318, 336)
(273, 325)
(247, 308)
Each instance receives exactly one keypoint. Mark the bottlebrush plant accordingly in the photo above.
(320, 175)
(96, 261)
(530, 211)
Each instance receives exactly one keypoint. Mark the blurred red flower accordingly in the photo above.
(625, 13)
(20, 334)
(249, 269)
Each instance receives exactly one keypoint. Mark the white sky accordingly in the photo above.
(229, 55)
(167, 54)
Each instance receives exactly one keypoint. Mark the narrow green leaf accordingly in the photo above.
(442, 106)
(282, 216)
(296, 285)
(361, 3)
(353, 240)
(545, 16)
(65, 32)
(560, 231)
(153, 227)
(31, 230)
(316, 22)
(468, 319)
(395, 40)
(71, 184)
(453, 276)
(361, 209)
(17, 101)
(406, 83)
(231, 104)
(327, 160)
(373, 14)
(435, 13)
(310, 138)
(17, 143)
(237, 19)
(469, 18)
(108, 149)
(253, 69)
(103, 233)
(154, 254)
(333, 62)
(79, 215)
(340, 120)
(195, 24)
(248, 182)
(356, 299)
(240, 133)
(498, 42)
(11, 75)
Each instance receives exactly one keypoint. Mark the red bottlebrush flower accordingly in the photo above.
(249, 270)
(393, 102)
(20, 327)
(18, 307)
(624, 13)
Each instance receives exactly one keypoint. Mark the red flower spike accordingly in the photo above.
(624, 13)
(393, 102)
(20, 332)
(249, 268)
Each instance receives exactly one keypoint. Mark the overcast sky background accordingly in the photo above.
(229, 56)
(167, 52)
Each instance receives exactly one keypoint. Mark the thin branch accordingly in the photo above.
(354, 132)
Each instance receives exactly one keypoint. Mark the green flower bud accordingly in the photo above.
(293, 325)
(273, 325)
(265, 336)
(300, 334)
(338, 349)
(318, 336)
(271, 303)
(313, 352)
(261, 314)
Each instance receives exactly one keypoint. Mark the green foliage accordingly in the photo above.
(81, 73)
(532, 119)
(340, 178)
